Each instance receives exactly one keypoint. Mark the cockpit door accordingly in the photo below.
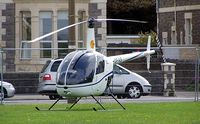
(100, 77)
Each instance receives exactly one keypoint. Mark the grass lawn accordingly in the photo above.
(136, 113)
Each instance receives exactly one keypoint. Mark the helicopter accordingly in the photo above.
(84, 73)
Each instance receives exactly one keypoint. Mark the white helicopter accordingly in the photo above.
(87, 72)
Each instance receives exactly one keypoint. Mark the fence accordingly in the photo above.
(22, 68)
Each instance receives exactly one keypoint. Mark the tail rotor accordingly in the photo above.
(148, 56)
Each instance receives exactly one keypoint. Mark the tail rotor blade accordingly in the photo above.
(148, 63)
(148, 56)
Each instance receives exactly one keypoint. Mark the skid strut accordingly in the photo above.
(74, 103)
(98, 103)
(117, 101)
(51, 105)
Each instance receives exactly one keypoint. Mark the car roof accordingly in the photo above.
(57, 59)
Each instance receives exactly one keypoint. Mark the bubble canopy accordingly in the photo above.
(77, 67)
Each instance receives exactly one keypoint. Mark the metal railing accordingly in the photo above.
(186, 59)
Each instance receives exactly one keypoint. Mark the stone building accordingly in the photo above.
(24, 20)
(179, 25)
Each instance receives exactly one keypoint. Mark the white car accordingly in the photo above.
(125, 83)
(8, 89)
(128, 84)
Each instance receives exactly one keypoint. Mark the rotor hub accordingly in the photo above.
(91, 22)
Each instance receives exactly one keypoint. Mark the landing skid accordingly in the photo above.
(50, 108)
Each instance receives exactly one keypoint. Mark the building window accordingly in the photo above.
(25, 34)
(62, 36)
(173, 35)
(26, 51)
(164, 38)
(45, 28)
(188, 28)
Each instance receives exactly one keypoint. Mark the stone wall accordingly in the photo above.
(167, 18)
(166, 22)
(170, 3)
(24, 83)
(8, 33)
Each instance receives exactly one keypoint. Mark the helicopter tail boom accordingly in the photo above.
(135, 55)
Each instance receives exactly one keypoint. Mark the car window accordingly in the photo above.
(119, 70)
(45, 66)
(55, 66)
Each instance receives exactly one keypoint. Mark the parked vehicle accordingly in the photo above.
(129, 84)
(8, 89)
(47, 79)
(125, 83)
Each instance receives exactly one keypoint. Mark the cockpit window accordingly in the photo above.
(100, 64)
(80, 69)
(64, 66)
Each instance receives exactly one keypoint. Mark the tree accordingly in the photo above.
(144, 10)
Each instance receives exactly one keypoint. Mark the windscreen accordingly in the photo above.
(55, 66)
(45, 66)
(77, 68)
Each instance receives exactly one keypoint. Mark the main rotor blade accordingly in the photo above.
(56, 31)
(69, 26)
(121, 20)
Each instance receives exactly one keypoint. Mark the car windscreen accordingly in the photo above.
(45, 66)
(55, 66)
(119, 70)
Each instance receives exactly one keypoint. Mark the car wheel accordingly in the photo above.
(119, 96)
(133, 91)
(53, 97)
(5, 93)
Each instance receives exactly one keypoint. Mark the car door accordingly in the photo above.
(120, 79)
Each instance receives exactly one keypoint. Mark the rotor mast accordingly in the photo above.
(91, 44)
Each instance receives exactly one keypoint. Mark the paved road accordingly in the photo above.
(38, 99)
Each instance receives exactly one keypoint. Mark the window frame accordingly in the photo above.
(43, 49)
(119, 70)
(100, 67)
(25, 50)
(188, 28)
(65, 40)
(25, 47)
